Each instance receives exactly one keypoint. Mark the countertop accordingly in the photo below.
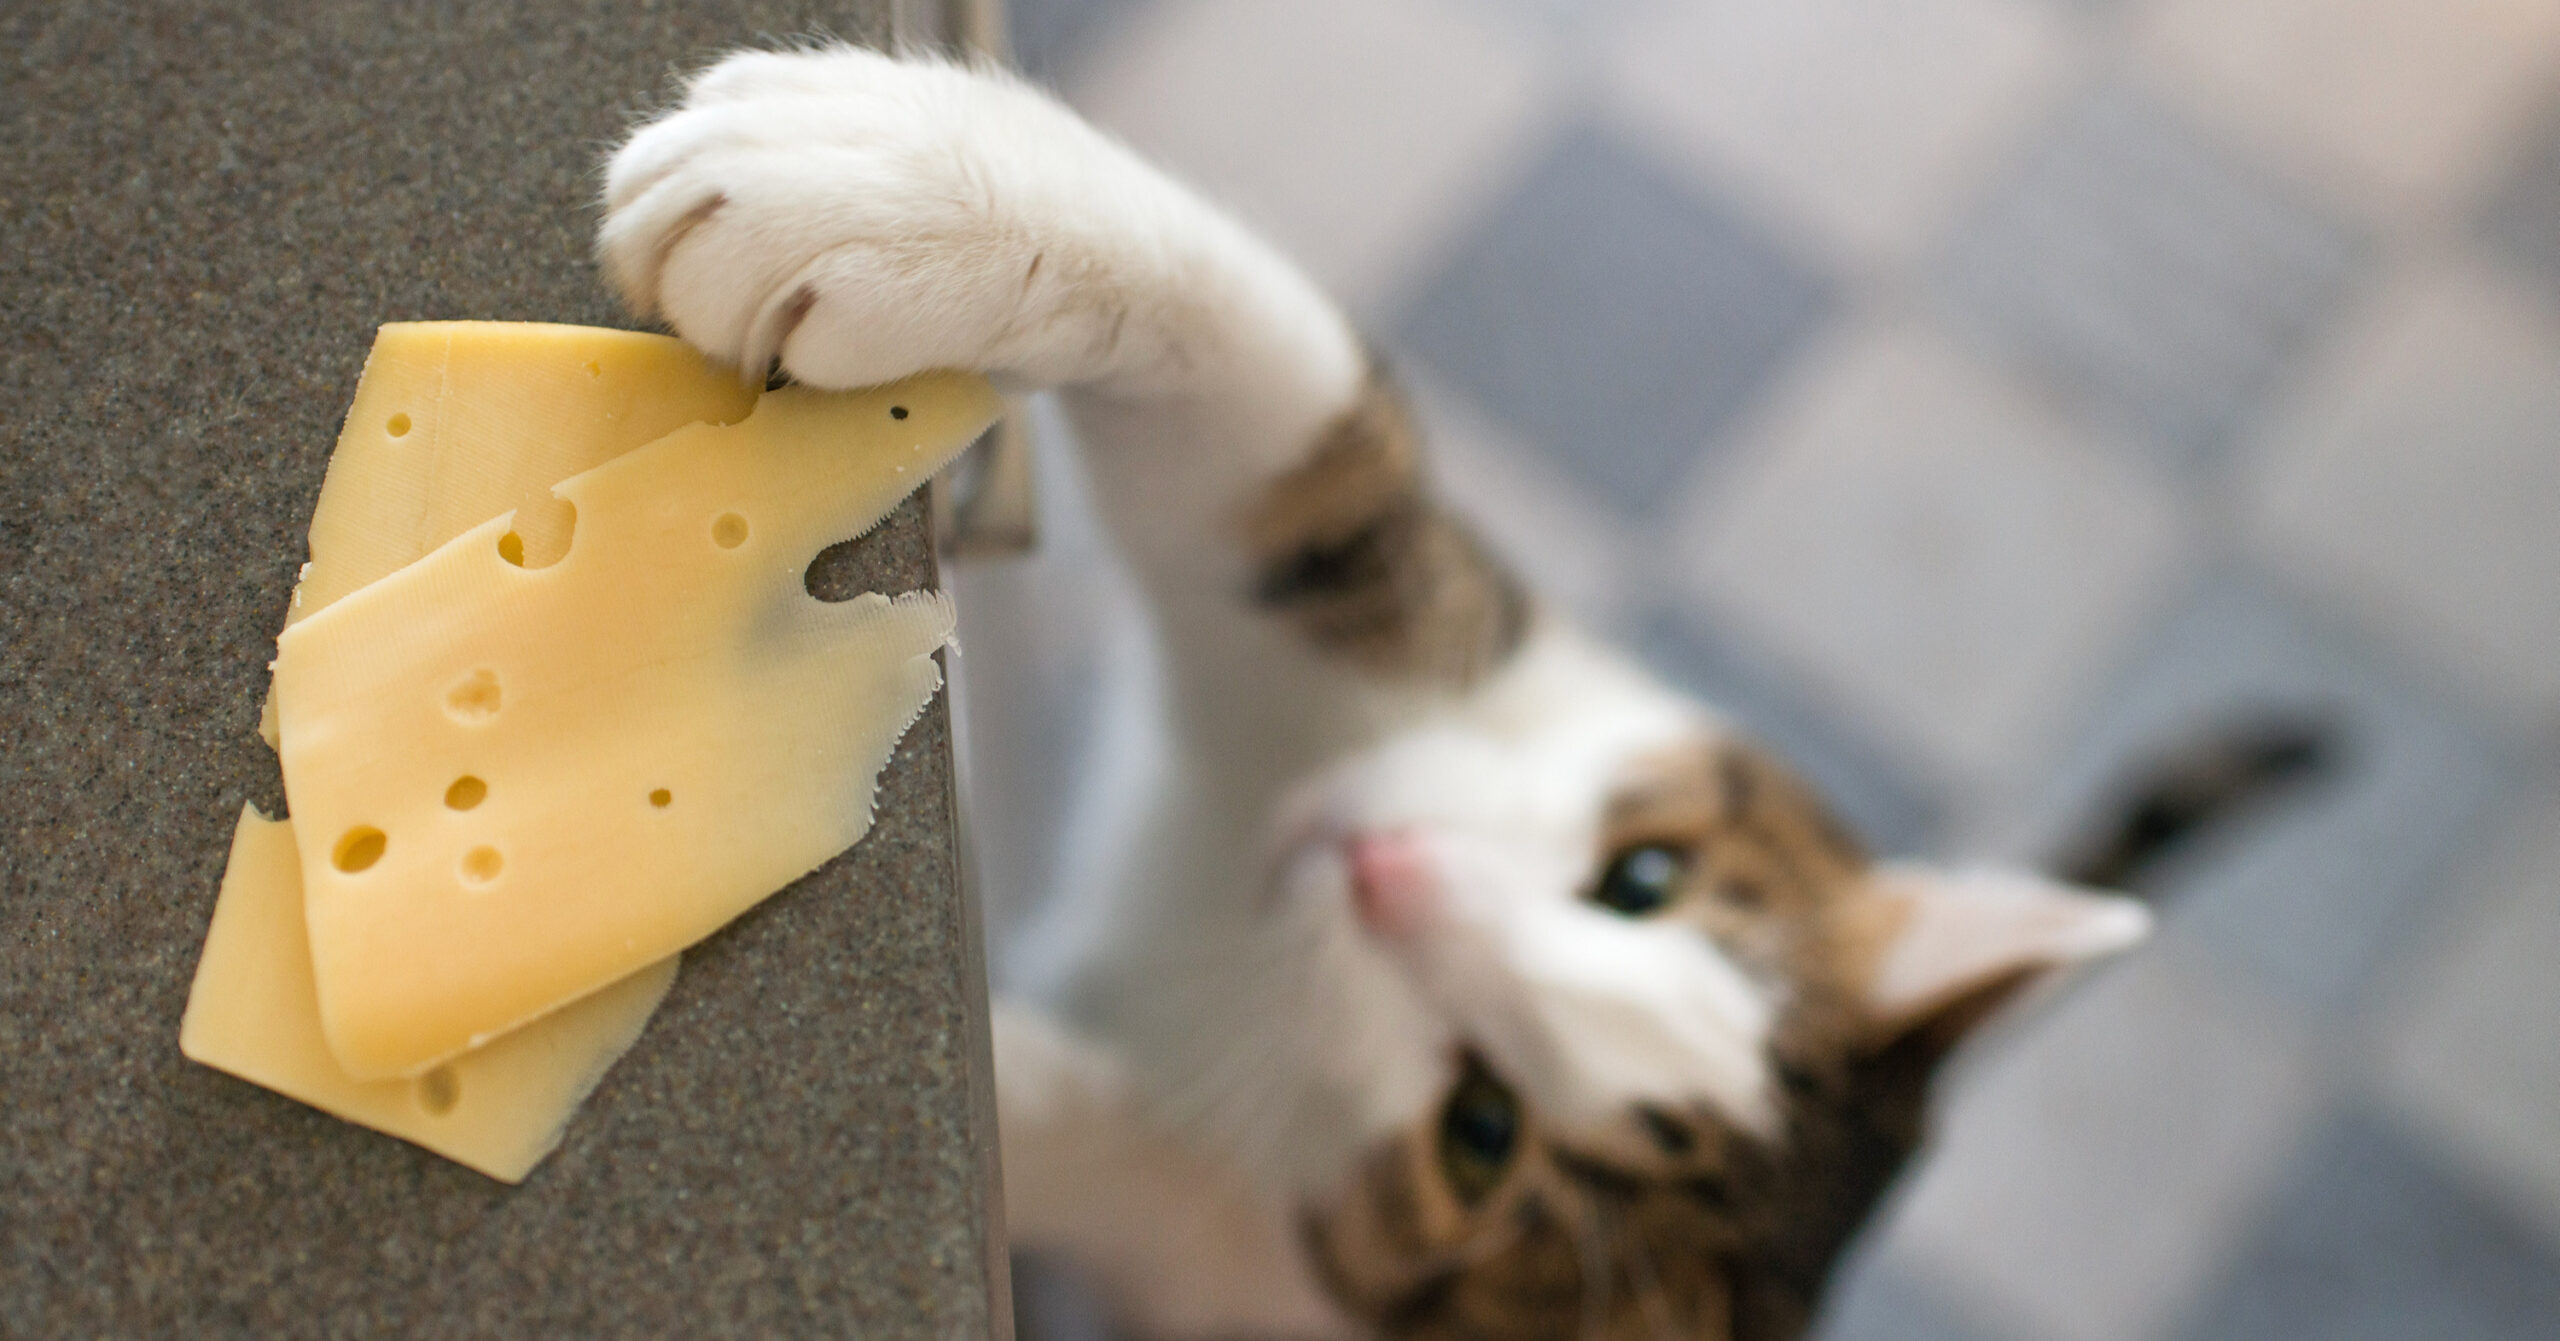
(205, 210)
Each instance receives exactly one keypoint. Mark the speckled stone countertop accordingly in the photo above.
(205, 209)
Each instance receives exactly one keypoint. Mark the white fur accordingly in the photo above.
(1239, 1038)
(1180, 1240)
(1582, 1009)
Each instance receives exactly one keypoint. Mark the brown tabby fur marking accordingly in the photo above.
(1350, 548)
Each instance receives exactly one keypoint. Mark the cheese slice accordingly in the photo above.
(516, 785)
(456, 422)
(453, 423)
(253, 1012)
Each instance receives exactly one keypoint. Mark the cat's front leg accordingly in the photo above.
(859, 218)
(1182, 1242)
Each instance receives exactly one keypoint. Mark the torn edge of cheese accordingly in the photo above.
(680, 603)
(254, 1012)
(934, 608)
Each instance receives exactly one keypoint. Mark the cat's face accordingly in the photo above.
(1661, 1030)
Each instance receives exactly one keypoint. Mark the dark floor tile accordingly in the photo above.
(1612, 318)
(2521, 218)
(1883, 1301)
(1050, 36)
(2150, 276)
(2368, 1241)
(1052, 1303)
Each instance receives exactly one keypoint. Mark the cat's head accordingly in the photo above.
(1644, 1033)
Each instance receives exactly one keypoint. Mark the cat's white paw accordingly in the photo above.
(860, 218)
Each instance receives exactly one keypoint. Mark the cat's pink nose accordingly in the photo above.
(1393, 887)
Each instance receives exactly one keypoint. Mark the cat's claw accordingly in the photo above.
(834, 209)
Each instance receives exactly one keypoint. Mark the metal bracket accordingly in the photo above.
(984, 504)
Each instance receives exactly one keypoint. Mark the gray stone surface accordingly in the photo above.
(204, 211)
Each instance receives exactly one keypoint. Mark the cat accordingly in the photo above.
(1453, 977)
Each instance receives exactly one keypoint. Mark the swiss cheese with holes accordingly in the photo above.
(453, 423)
(499, 1109)
(456, 422)
(514, 785)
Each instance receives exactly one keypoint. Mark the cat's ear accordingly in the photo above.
(1938, 950)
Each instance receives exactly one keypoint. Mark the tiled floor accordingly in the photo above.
(2365, 1240)
(1625, 392)
(2310, 900)
(2110, 1153)
(1970, 394)
(1868, 123)
(2157, 279)
(1923, 534)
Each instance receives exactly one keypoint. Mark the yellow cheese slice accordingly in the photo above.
(518, 784)
(455, 422)
(253, 1013)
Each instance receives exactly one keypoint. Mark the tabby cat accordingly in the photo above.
(1454, 978)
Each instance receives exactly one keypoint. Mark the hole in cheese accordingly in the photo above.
(897, 411)
(466, 792)
(439, 1090)
(359, 848)
(832, 576)
(481, 865)
(729, 530)
(518, 409)
(254, 1012)
(662, 798)
(398, 427)
(541, 534)
(473, 698)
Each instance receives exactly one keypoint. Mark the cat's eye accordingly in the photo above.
(1479, 1131)
(1641, 880)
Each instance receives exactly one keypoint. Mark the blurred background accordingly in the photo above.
(1971, 396)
